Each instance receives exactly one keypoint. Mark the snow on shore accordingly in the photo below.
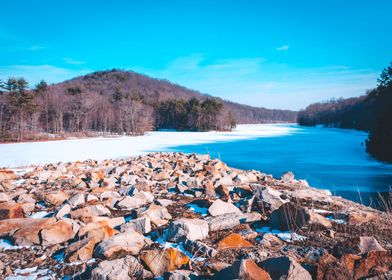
(23, 154)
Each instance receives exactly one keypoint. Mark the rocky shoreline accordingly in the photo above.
(180, 216)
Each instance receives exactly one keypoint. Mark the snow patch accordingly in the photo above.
(200, 210)
(286, 236)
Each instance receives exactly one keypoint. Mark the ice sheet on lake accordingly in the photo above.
(23, 154)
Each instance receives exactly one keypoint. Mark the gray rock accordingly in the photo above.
(230, 220)
(369, 243)
(76, 200)
(141, 225)
(63, 210)
(192, 229)
(285, 268)
(220, 207)
(127, 243)
(289, 217)
(287, 177)
(268, 198)
(199, 249)
(120, 269)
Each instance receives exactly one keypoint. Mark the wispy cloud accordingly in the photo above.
(72, 61)
(259, 82)
(283, 48)
(35, 48)
(35, 73)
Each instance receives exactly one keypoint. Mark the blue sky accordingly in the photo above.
(277, 54)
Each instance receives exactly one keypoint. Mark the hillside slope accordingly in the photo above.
(156, 90)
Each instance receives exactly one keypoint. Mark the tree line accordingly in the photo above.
(42, 113)
(371, 112)
(193, 114)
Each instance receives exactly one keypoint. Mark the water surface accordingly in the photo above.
(327, 158)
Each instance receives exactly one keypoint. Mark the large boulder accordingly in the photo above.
(138, 200)
(285, 268)
(161, 261)
(90, 211)
(81, 250)
(318, 221)
(77, 200)
(289, 217)
(231, 220)
(56, 198)
(192, 229)
(120, 269)
(7, 174)
(127, 243)
(57, 233)
(220, 207)
(267, 198)
(158, 215)
(369, 243)
(141, 225)
(244, 270)
(25, 231)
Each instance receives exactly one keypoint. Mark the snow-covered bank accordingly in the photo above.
(23, 154)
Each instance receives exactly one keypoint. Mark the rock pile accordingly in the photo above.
(181, 216)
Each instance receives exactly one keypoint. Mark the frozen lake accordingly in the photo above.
(333, 159)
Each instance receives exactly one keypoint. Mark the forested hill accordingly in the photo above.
(156, 90)
(371, 112)
(117, 101)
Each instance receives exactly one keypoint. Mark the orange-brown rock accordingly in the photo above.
(234, 240)
(81, 250)
(10, 210)
(160, 261)
(56, 198)
(245, 270)
(57, 233)
(6, 174)
(373, 263)
(24, 231)
(330, 268)
(361, 217)
(100, 229)
(224, 192)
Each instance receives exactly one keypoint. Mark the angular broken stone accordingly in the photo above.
(161, 261)
(25, 231)
(289, 217)
(81, 250)
(141, 225)
(245, 270)
(192, 229)
(89, 211)
(63, 210)
(158, 215)
(285, 268)
(127, 243)
(234, 240)
(199, 249)
(57, 233)
(77, 200)
(220, 207)
(126, 268)
(56, 198)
